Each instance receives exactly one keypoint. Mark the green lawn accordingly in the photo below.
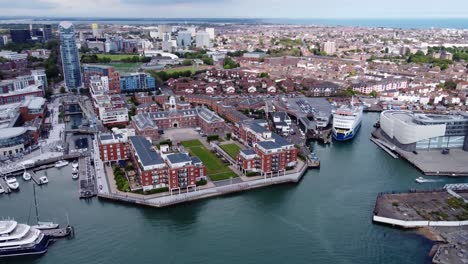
(116, 57)
(180, 69)
(231, 149)
(215, 167)
(126, 67)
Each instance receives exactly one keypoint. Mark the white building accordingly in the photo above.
(202, 40)
(211, 32)
(329, 47)
(184, 39)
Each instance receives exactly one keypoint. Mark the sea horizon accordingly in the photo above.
(403, 23)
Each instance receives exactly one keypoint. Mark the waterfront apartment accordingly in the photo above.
(161, 168)
(113, 146)
(412, 131)
(270, 153)
(69, 56)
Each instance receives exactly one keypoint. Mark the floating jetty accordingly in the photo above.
(87, 178)
(35, 178)
(4, 185)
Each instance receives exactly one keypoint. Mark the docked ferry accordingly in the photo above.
(346, 122)
(20, 239)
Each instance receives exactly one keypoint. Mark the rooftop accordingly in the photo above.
(143, 148)
(178, 158)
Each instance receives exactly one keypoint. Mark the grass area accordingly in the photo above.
(180, 69)
(126, 67)
(116, 57)
(215, 167)
(231, 149)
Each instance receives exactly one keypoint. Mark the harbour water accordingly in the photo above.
(326, 218)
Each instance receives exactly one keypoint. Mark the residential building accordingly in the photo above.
(211, 32)
(69, 55)
(137, 82)
(156, 169)
(47, 32)
(184, 39)
(329, 47)
(113, 76)
(113, 146)
(202, 39)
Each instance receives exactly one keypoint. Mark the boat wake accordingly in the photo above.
(424, 180)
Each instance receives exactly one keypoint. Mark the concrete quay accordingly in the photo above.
(203, 193)
(429, 162)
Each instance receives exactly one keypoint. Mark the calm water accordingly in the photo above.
(326, 218)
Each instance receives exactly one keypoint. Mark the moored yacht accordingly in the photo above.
(12, 183)
(20, 239)
(26, 176)
(61, 163)
(75, 165)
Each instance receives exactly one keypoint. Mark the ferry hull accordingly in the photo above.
(344, 137)
(39, 248)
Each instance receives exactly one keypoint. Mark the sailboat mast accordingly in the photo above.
(35, 203)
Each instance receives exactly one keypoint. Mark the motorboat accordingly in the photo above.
(12, 183)
(74, 170)
(43, 180)
(61, 163)
(75, 165)
(20, 239)
(424, 180)
(75, 175)
(26, 176)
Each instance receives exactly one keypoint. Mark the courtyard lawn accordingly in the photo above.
(231, 149)
(215, 167)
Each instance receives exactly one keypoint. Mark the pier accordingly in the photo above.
(35, 178)
(383, 146)
(4, 185)
(87, 178)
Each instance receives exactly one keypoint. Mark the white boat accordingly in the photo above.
(423, 180)
(75, 165)
(26, 176)
(43, 180)
(74, 170)
(12, 183)
(46, 226)
(20, 239)
(61, 163)
(346, 122)
(75, 175)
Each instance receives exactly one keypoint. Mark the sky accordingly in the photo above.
(312, 9)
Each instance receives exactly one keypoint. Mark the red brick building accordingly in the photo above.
(271, 154)
(102, 70)
(113, 147)
(175, 171)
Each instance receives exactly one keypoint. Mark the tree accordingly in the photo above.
(373, 94)
(187, 62)
(230, 63)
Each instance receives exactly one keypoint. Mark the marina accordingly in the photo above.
(304, 212)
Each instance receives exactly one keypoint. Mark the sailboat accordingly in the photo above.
(42, 225)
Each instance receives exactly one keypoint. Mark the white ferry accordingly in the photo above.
(346, 122)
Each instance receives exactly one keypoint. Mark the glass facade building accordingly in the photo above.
(70, 56)
(137, 82)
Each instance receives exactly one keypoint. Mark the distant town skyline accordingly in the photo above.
(300, 9)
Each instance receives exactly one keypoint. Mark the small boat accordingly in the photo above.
(45, 226)
(423, 180)
(12, 183)
(75, 175)
(75, 165)
(61, 163)
(26, 176)
(74, 170)
(43, 180)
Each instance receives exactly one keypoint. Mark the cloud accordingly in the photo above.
(24, 4)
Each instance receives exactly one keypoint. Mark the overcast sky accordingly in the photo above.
(238, 8)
